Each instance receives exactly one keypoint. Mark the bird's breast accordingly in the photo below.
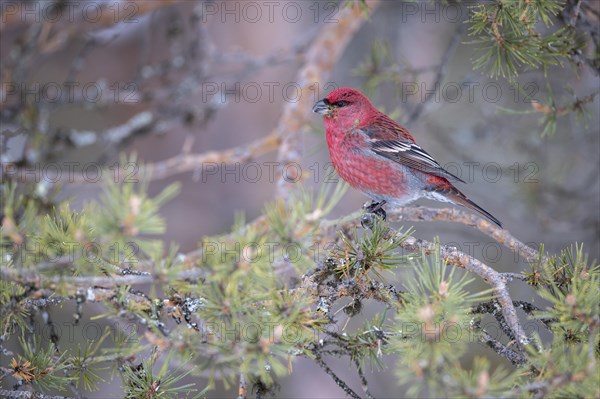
(364, 170)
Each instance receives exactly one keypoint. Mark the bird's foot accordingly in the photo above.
(372, 209)
(376, 208)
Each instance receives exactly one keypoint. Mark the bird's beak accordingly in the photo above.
(322, 108)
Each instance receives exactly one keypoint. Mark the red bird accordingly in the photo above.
(377, 156)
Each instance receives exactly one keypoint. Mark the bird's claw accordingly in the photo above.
(376, 208)
(373, 208)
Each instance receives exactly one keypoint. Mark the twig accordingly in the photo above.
(321, 57)
(188, 162)
(577, 105)
(439, 75)
(78, 28)
(514, 357)
(529, 309)
(543, 387)
(75, 390)
(492, 308)
(243, 389)
(508, 277)
(29, 395)
(576, 13)
(364, 290)
(337, 379)
(363, 380)
(502, 322)
(24, 276)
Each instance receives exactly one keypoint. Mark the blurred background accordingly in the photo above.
(161, 78)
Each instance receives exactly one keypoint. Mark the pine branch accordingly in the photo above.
(425, 214)
(502, 236)
(457, 258)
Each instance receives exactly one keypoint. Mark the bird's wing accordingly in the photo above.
(391, 140)
(385, 128)
(411, 155)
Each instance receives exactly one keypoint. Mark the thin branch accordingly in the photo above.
(514, 276)
(337, 379)
(514, 357)
(424, 214)
(243, 388)
(332, 292)
(177, 164)
(98, 295)
(321, 58)
(541, 388)
(502, 236)
(24, 276)
(439, 75)
(363, 379)
(491, 307)
(188, 162)
(529, 309)
(29, 395)
(502, 322)
(576, 105)
(67, 32)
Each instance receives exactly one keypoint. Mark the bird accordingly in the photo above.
(379, 157)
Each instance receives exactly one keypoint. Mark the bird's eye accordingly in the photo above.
(341, 103)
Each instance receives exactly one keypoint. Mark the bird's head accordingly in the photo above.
(344, 104)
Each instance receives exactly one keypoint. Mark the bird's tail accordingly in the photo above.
(459, 198)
